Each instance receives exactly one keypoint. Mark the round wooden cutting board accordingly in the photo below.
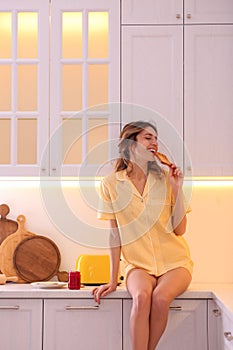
(37, 259)
(8, 246)
(7, 226)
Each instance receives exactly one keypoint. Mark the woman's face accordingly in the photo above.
(147, 144)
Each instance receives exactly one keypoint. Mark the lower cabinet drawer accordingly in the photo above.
(82, 324)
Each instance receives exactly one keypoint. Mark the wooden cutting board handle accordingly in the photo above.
(7, 226)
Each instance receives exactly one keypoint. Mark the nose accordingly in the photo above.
(154, 142)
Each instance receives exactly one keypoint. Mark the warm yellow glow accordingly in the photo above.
(97, 141)
(98, 85)
(72, 34)
(5, 34)
(212, 183)
(27, 87)
(209, 181)
(71, 87)
(98, 34)
(5, 87)
(72, 141)
(27, 35)
(27, 141)
(5, 141)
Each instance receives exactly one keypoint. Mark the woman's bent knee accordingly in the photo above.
(142, 301)
(161, 301)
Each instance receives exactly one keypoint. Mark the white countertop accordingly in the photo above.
(221, 293)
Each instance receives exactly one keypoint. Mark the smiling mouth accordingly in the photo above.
(153, 151)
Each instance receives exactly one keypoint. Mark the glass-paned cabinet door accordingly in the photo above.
(84, 85)
(24, 82)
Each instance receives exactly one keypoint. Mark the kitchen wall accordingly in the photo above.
(65, 212)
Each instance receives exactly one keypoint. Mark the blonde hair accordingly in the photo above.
(128, 136)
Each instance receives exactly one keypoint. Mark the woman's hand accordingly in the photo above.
(176, 178)
(103, 290)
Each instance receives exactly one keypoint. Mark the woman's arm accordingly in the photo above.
(179, 220)
(115, 252)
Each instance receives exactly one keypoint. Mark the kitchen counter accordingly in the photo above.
(222, 294)
(14, 290)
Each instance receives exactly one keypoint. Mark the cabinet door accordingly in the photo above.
(227, 327)
(151, 12)
(81, 324)
(21, 324)
(85, 84)
(215, 330)
(186, 328)
(208, 99)
(152, 81)
(24, 87)
(208, 11)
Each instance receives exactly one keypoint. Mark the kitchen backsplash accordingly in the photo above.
(66, 213)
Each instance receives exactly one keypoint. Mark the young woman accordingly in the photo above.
(147, 214)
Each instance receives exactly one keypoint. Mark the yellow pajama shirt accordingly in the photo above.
(145, 223)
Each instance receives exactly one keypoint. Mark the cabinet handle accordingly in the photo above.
(228, 336)
(217, 312)
(9, 307)
(96, 307)
(189, 16)
(176, 308)
(178, 15)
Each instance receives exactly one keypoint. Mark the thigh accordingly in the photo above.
(173, 282)
(139, 281)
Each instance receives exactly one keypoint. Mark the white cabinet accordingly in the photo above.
(84, 84)
(152, 78)
(220, 328)
(24, 88)
(171, 11)
(81, 324)
(184, 72)
(227, 327)
(186, 328)
(151, 12)
(21, 324)
(59, 73)
(208, 11)
(215, 330)
(208, 102)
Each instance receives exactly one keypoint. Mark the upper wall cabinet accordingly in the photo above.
(59, 74)
(84, 83)
(24, 85)
(208, 11)
(152, 12)
(208, 102)
(152, 81)
(172, 12)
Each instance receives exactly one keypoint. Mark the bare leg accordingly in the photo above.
(169, 286)
(140, 285)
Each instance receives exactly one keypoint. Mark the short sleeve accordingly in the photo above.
(105, 208)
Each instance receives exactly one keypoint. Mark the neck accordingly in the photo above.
(138, 171)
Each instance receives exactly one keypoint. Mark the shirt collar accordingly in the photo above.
(151, 180)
